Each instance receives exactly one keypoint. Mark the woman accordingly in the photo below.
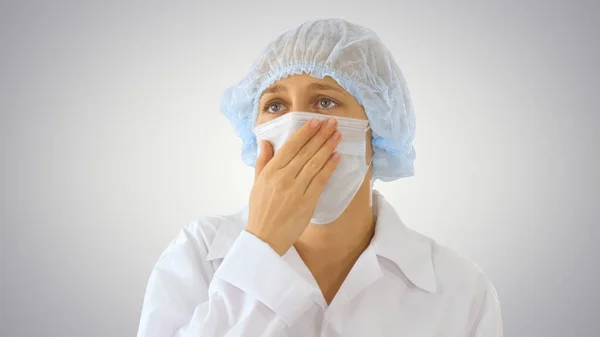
(323, 112)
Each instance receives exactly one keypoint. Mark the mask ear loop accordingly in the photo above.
(371, 189)
(370, 162)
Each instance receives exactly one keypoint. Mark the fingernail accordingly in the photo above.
(331, 122)
(314, 123)
(335, 156)
(336, 135)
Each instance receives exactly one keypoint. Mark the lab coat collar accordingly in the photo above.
(410, 251)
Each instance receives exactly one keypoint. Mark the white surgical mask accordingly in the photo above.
(350, 171)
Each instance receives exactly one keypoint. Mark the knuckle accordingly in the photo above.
(279, 182)
(287, 147)
(306, 153)
(326, 133)
(332, 143)
(321, 180)
(303, 156)
(265, 171)
(298, 191)
(301, 137)
(290, 145)
(313, 165)
(322, 137)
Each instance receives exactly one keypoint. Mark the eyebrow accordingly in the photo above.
(314, 86)
(274, 89)
(319, 86)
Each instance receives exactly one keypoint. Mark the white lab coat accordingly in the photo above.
(216, 279)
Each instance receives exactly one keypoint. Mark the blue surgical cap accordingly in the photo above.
(354, 57)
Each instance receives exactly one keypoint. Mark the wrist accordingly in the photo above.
(279, 247)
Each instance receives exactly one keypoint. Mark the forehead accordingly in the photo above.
(304, 81)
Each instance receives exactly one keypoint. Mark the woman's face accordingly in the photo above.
(309, 94)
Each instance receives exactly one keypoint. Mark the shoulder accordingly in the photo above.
(464, 284)
(212, 235)
(466, 288)
(181, 277)
(188, 260)
(455, 273)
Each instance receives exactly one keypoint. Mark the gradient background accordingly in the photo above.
(111, 140)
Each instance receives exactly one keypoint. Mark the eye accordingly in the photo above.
(325, 103)
(274, 107)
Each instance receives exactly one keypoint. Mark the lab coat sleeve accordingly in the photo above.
(252, 293)
(489, 317)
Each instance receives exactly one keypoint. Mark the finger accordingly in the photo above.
(266, 153)
(318, 160)
(295, 142)
(317, 184)
(307, 152)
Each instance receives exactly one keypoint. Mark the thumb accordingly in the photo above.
(266, 153)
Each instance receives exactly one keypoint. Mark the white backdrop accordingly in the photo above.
(111, 140)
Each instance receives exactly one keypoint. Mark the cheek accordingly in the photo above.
(265, 117)
(261, 118)
(355, 110)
